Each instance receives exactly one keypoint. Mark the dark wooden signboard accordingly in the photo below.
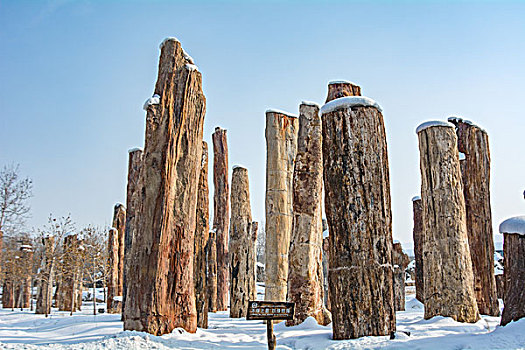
(270, 310)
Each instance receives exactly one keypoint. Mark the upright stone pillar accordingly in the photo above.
(45, 287)
(513, 230)
(400, 261)
(132, 209)
(447, 274)
(417, 234)
(342, 88)
(113, 272)
(202, 231)
(305, 274)
(281, 147)
(358, 210)
(69, 284)
(161, 294)
(239, 246)
(119, 223)
(252, 261)
(326, 269)
(221, 214)
(211, 271)
(473, 142)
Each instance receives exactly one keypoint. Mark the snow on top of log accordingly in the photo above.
(192, 67)
(118, 204)
(416, 198)
(70, 233)
(454, 119)
(513, 225)
(431, 123)
(112, 229)
(135, 149)
(349, 102)
(309, 103)
(278, 111)
(260, 264)
(239, 166)
(153, 100)
(341, 81)
(172, 38)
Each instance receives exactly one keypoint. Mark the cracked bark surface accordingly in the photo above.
(417, 234)
(514, 298)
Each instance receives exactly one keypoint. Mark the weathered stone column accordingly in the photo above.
(211, 271)
(342, 88)
(240, 241)
(400, 261)
(161, 293)
(202, 231)
(326, 269)
(447, 274)
(119, 223)
(358, 210)
(221, 214)
(305, 274)
(113, 272)
(68, 291)
(473, 142)
(513, 230)
(45, 288)
(132, 209)
(281, 147)
(417, 234)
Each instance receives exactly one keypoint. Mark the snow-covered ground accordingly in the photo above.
(25, 330)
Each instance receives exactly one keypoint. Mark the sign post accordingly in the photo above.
(269, 311)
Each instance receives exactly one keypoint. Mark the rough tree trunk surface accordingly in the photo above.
(252, 262)
(305, 274)
(447, 274)
(417, 234)
(475, 168)
(202, 232)
(211, 271)
(8, 297)
(119, 223)
(113, 272)
(281, 146)
(69, 284)
(221, 214)
(500, 286)
(45, 288)
(132, 209)
(326, 269)
(239, 245)
(514, 300)
(338, 89)
(400, 261)
(161, 293)
(358, 210)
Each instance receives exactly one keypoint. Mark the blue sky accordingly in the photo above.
(74, 76)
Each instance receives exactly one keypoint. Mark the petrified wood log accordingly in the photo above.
(132, 208)
(281, 146)
(326, 270)
(475, 170)
(252, 262)
(400, 261)
(221, 214)
(447, 269)
(240, 240)
(513, 230)
(342, 88)
(69, 284)
(8, 295)
(500, 286)
(119, 223)
(45, 287)
(358, 210)
(161, 293)
(417, 234)
(305, 273)
(211, 271)
(202, 231)
(113, 272)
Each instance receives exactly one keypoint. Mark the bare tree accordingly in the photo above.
(14, 194)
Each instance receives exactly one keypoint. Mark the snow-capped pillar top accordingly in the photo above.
(515, 225)
(349, 102)
(342, 88)
(432, 123)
